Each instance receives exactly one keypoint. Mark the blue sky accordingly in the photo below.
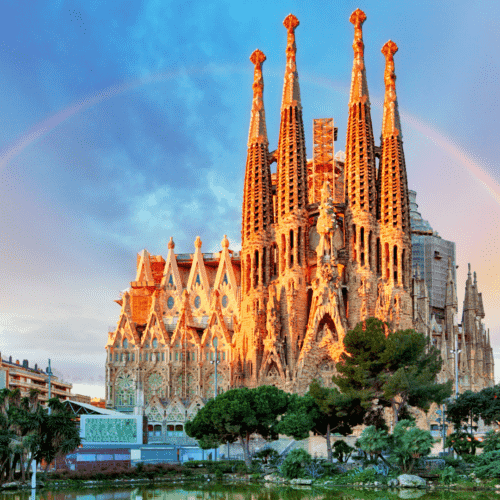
(124, 123)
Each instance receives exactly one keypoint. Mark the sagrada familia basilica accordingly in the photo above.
(325, 244)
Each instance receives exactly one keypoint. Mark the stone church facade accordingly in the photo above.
(325, 243)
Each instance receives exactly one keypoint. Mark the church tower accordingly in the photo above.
(256, 233)
(395, 231)
(292, 222)
(360, 189)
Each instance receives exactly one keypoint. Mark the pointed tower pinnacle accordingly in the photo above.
(257, 201)
(291, 168)
(291, 90)
(394, 202)
(451, 292)
(291, 199)
(391, 123)
(359, 86)
(258, 131)
(360, 176)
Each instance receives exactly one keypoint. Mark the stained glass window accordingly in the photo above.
(170, 302)
(224, 301)
(197, 302)
(155, 344)
(125, 390)
(125, 343)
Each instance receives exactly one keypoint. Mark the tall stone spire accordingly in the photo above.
(360, 177)
(395, 230)
(292, 220)
(361, 192)
(291, 90)
(291, 169)
(257, 196)
(258, 131)
(256, 238)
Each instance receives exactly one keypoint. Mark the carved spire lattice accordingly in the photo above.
(360, 177)
(291, 168)
(257, 197)
(394, 201)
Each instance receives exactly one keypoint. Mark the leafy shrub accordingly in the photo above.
(409, 443)
(139, 467)
(491, 441)
(463, 443)
(448, 475)
(267, 455)
(342, 451)
(294, 463)
(488, 464)
(373, 441)
(240, 468)
(452, 461)
(314, 469)
(330, 469)
(256, 467)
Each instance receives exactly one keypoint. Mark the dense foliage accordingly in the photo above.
(324, 411)
(295, 464)
(236, 415)
(395, 368)
(409, 444)
(27, 429)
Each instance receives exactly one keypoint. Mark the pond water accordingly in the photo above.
(244, 492)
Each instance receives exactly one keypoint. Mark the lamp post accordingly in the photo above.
(456, 352)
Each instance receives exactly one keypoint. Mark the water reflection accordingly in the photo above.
(244, 492)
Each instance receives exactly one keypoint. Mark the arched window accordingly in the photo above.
(395, 257)
(125, 343)
(155, 344)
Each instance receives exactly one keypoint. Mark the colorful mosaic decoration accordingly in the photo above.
(110, 430)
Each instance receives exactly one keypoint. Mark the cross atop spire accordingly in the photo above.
(359, 86)
(358, 17)
(258, 131)
(391, 124)
(291, 90)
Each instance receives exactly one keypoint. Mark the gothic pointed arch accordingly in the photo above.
(171, 281)
(225, 279)
(155, 410)
(198, 278)
(144, 273)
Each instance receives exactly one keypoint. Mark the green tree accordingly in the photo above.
(324, 411)
(490, 405)
(464, 411)
(409, 443)
(27, 429)
(59, 433)
(398, 369)
(342, 451)
(237, 414)
(463, 443)
(373, 442)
